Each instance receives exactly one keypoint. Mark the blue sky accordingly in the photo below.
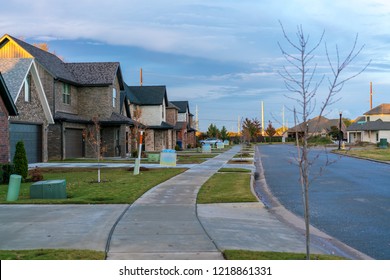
(222, 56)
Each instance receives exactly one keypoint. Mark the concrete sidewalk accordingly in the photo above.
(165, 223)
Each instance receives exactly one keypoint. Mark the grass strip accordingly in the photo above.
(227, 188)
(254, 255)
(375, 153)
(51, 254)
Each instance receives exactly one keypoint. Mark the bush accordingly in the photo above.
(6, 171)
(20, 160)
(36, 175)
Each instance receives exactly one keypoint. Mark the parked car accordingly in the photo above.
(211, 141)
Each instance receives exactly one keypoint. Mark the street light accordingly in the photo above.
(340, 132)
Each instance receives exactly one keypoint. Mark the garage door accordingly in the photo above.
(74, 143)
(32, 137)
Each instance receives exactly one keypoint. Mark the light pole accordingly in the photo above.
(340, 132)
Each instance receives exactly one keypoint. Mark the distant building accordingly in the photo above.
(318, 126)
(372, 126)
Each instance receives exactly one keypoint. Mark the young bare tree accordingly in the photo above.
(92, 136)
(302, 79)
(136, 116)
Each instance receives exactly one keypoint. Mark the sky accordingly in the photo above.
(223, 56)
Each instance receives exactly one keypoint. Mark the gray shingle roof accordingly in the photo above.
(52, 63)
(147, 95)
(94, 73)
(162, 126)
(6, 97)
(379, 110)
(14, 71)
(369, 126)
(182, 105)
(316, 124)
(82, 74)
(115, 118)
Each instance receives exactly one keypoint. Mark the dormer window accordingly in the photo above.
(114, 97)
(66, 94)
(367, 118)
(27, 89)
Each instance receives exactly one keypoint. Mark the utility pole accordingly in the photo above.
(283, 125)
(371, 93)
(140, 77)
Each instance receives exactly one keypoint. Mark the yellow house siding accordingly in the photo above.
(8, 49)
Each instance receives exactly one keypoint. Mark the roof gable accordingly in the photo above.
(7, 99)
(52, 63)
(15, 71)
(79, 74)
(148, 95)
(182, 105)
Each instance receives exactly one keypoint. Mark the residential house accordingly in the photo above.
(34, 116)
(372, 126)
(152, 103)
(185, 133)
(7, 109)
(78, 93)
(172, 119)
(318, 126)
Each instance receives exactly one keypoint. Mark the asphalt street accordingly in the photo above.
(349, 197)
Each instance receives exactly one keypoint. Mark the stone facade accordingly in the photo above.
(32, 112)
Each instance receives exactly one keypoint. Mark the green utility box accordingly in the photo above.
(48, 189)
(153, 157)
(383, 143)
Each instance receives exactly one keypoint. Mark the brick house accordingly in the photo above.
(185, 133)
(34, 116)
(152, 101)
(77, 93)
(7, 109)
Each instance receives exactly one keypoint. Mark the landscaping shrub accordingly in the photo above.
(36, 175)
(6, 171)
(20, 160)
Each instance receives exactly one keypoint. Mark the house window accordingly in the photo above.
(113, 97)
(27, 89)
(66, 94)
(367, 119)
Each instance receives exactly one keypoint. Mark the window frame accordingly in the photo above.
(27, 88)
(66, 94)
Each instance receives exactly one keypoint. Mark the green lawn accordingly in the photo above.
(253, 255)
(226, 188)
(370, 153)
(51, 254)
(183, 158)
(117, 186)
